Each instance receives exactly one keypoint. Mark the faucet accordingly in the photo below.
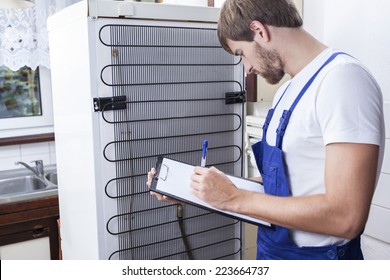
(38, 167)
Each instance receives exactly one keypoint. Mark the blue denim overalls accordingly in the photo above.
(275, 242)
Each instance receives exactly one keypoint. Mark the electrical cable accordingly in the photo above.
(180, 215)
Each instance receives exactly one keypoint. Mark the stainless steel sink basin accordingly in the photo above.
(20, 185)
(52, 177)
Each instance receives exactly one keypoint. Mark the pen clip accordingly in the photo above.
(204, 149)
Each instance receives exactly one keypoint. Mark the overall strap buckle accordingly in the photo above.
(268, 119)
(284, 119)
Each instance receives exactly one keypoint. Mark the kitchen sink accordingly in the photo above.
(52, 177)
(20, 185)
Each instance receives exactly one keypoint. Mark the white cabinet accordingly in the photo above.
(36, 249)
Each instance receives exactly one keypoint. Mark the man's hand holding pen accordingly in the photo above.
(212, 186)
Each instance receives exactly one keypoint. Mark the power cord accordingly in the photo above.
(180, 218)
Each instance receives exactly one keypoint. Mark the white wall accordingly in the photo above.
(360, 27)
(27, 153)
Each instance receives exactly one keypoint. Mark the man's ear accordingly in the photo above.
(259, 30)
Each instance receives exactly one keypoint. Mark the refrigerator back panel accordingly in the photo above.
(165, 87)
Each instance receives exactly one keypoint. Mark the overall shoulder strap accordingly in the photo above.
(287, 113)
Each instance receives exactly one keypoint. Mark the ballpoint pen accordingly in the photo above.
(204, 152)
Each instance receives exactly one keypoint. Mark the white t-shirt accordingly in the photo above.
(343, 104)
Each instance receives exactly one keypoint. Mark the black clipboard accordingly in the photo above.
(173, 180)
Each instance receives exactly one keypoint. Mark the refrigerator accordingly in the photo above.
(131, 82)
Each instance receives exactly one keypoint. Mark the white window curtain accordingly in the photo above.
(23, 34)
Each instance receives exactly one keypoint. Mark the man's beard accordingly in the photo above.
(272, 66)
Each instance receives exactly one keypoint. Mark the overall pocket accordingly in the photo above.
(269, 176)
